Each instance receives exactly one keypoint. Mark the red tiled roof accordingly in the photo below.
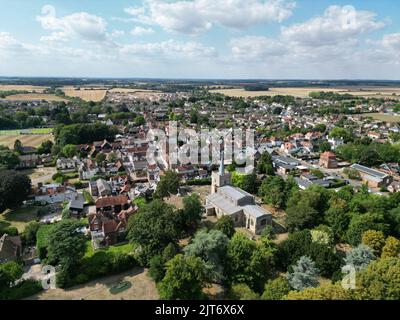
(111, 201)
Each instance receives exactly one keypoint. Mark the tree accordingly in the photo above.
(381, 280)
(324, 292)
(169, 184)
(211, 248)
(152, 229)
(249, 262)
(29, 234)
(69, 150)
(191, 213)
(375, 240)
(157, 263)
(275, 289)
(139, 121)
(8, 159)
(324, 146)
(363, 222)
(273, 191)
(100, 158)
(18, 148)
(391, 248)
(304, 274)
(242, 291)
(301, 216)
(66, 245)
(247, 182)
(226, 225)
(45, 147)
(360, 257)
(184, 279)
(291, 250)
(14, 188)
(325, 258)
(264, 164)
(338, 219)
(9, 273)
(322, 235)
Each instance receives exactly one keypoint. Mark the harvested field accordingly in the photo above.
(32, 140)
(86, 94)
(370, 92)
(296, 92)
(142, 288)
(131, 90)
(383, 117)
(35, 97)
(38, 89)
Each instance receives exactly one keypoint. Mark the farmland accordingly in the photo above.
(38, 89)
(86, 94)
(32, 140)
(383, 117)
(368, 92)
(34, 97)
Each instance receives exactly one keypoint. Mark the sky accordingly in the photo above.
(204, 39)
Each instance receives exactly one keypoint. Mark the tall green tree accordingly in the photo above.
(14, 188)
(185, 278)
(304, 274)
(153, 228)
(169, 184)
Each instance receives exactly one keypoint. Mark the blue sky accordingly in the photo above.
(272, 39)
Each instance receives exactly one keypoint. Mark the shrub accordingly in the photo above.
(24, 289)
(42, 240)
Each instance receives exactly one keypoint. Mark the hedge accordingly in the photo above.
(101, 263)
(23, 290)
(199, 182)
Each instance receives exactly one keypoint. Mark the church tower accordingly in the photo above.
(220, 178)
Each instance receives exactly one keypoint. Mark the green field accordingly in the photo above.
(124, 248)
(26, 131)
(383, 117)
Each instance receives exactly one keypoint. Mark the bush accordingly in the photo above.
(24, 289)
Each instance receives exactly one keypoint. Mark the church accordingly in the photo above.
(235, 202)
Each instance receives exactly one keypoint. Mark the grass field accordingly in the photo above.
(31, 140)
(383, 117)
(85, 94)
(38, 89)
(35, 97)
(124, 248)
(19, 218)
(369, 92)
(26, 131)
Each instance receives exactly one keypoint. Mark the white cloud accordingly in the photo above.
(391, 41)
(335, 25)
(257, 47)
(77, 25)
(199, 15)
(168, 49)
(140, 31)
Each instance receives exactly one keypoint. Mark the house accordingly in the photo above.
(75, 206)
(226, 200)
(103, 187)
(284, 165)
(108, 220)
(87, 170)
(54, 193)
(29, 161)
(10, 248)
(374, 178)
(335, 142)
(328, 160)
(374, 135)
(65, 164)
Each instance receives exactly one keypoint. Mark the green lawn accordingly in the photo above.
(124, 248)
(31, 131)
(19, 218)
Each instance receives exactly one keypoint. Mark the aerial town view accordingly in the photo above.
(206, 150)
